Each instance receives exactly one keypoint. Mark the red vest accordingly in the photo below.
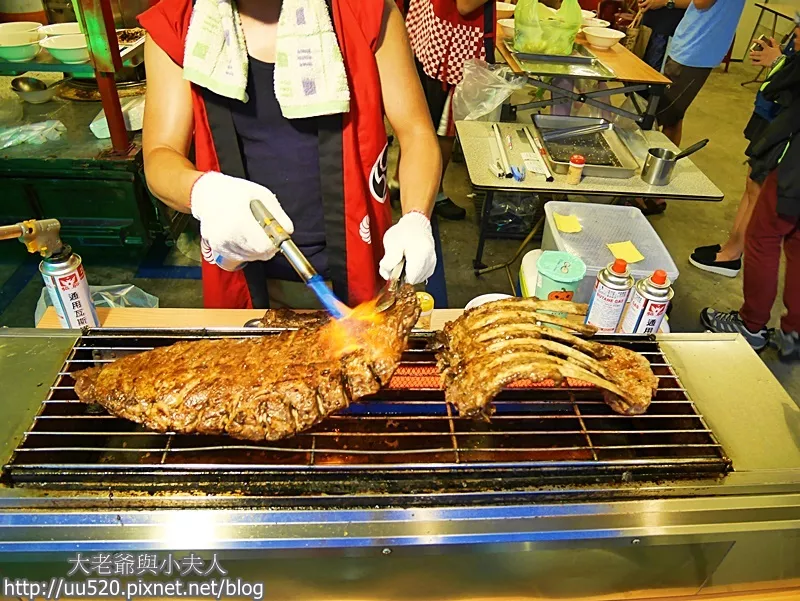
(353, 152)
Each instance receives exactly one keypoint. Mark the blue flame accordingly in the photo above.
(326, 296)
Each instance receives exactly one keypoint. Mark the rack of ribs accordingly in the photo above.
(259, 388)
(505, 341)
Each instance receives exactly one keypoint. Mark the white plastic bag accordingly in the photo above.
(482, 91)
(117, 295)
(132, 114)
(11, 111)
(33, 133)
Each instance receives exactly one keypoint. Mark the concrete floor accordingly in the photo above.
(720, 113)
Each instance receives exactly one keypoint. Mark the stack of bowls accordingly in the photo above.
(19, 41)
(60, 29)
(504, 10)
(593, 22)
(70, 49)
(602, 37)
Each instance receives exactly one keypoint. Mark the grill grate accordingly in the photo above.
(404, 439)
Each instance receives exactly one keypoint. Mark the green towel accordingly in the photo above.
(310, 78)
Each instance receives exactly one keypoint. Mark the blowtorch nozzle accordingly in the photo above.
(280, 238)
(38, 235)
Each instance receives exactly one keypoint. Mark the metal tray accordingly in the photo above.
(580, 56)
(581, 63)
(627, 163)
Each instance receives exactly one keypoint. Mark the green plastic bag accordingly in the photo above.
(540, 30)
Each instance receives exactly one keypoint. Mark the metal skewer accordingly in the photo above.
(536, 146)
(502, 149)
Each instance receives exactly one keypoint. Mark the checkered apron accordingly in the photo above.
(442, 39)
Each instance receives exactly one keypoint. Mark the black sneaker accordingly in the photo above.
(708, 262)
(788, 345)
(447, 209)
(705, 251)
(729, 322)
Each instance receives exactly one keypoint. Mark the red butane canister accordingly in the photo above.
(66, 283)
(611, 291)
(649, 303)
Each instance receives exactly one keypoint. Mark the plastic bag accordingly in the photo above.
(536, 33)
(513, 212)
(118, 295)
(132, 114)
(11, 111)
(482, 91)
(33, 133)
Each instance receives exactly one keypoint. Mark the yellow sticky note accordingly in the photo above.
(625, 250)
(568, 224)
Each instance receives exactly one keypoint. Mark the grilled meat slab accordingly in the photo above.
(263, 388)
(502, 342)
(288, 318)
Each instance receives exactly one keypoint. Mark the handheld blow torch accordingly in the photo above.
(281, 239)
(61, 269)
(40, 236)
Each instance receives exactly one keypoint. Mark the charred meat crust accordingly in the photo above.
(263, 388)
(288, 318)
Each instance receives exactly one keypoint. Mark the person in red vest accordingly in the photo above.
(240, 106)
(444, 34)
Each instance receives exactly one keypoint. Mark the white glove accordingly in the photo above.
(222, 205)
(410, 237)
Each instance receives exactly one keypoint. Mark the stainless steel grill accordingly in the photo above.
(404, 439)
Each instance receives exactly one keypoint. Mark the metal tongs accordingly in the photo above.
(388, 293)
(571, 132)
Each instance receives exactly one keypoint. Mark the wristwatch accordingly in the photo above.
(670, 3)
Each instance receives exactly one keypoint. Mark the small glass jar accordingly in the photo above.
(426, 304)
(576, 164)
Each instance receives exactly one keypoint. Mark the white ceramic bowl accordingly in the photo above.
(588, 14)
(485, 298)
(595, 23)
(38, 96)
(19, 26)
(68, 49)
(504, 10)
(507, 25)
(60, 29)
(602, 37)
(19, 46)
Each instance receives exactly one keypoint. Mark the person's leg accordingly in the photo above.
(674, 132)
(446, 144)
(727, 259)
(791, 288)
(686, 84)
(734, 245)
(679, 95)
(787, 338)
(563, 109)
(762, 259)
(444, 207)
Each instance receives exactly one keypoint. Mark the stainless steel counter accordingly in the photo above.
(683, 535)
